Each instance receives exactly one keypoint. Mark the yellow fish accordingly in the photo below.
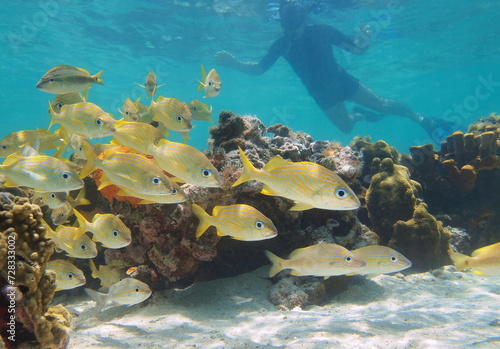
(68, 79)
(172, 113)
(178, 195)
(317, 260)
(52, 199)
(64, 99)
(483, 261)
(380, 260)
(64, 238)
(200, 111)
(45, 139)
(130, 110)
(41, 172)
(106, 274)
(127, 291)
(67, 275)
(84, 118)
(150, 85)
(60, 215)
(310, 185)
(136, 135)
(107, 229)
(186, 163)
(210, 83)
(241, 222)
(145, 112)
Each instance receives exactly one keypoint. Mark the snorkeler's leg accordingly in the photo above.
(367, 98)
(340, 117)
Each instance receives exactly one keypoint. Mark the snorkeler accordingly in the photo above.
(308, 49)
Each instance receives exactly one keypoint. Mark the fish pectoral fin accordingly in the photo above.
(301, 206)
(177, 179)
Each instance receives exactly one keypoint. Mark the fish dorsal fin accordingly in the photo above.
(29, 150)
(301, 206)
(216, 210)
(275, 163)
(299, 252)
(487, 250)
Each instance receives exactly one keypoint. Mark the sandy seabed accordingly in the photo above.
(449, 310)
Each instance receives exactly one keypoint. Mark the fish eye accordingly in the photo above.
(59, 105)
(210, 83)
(193, 108)
(348, 259)
(98, 122)
(341, 193)
(174, 191)
(65, 175)
(53, 195)
(52, 80)
(70, 276)
(127, 112)
(4, 146)
(137, 289)
(393, 259)
(115, 233)
(179, 118)
(156, 180)
(83, 247)
(206, 172)
(259, 225)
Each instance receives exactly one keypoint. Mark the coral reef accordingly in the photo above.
(36, 324)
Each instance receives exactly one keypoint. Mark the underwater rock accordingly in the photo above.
(37, 324)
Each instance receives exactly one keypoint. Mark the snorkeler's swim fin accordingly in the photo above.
(370, 116)
(439, 129)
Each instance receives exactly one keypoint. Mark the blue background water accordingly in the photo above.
(430, 54)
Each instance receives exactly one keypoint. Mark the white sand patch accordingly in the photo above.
(453, 310)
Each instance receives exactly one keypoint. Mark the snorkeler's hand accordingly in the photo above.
(225, 59)
(363, 38)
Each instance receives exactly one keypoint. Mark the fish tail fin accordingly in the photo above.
(248, 170)
(92, 160)
(81, 199)
(204, 220)
(98, 78)
(93, 269)
(277, 263)
(83, 225)
(99, 298)
(53, 117)
(203, 77)
(460, 260)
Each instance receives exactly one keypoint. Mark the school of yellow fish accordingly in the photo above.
(51, 178)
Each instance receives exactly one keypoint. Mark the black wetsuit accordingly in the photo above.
(311, 57)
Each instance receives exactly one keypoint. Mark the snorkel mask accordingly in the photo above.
(292, 15)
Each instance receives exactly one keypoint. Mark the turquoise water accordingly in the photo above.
(430, 55)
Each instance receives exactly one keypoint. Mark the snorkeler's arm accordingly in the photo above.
(226, 59)
(252, 68)
(358, 45)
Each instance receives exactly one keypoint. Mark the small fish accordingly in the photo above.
(132, 172)
(60, 215)
(200, 111)
(64, 99)
(84, 118)
(380, 260)
(67, 275)
(52, 199)
(136, 135)
(186, 163)
(128, 291)
(64, 238)
(317, 260)
(130, 110)
(106, 274)
(40, 172)
(241, 222)
(14, 141)
(68, 79)
(172, 113)
(210, 83)
(150, 85)
(483, 261)
(310, 185)
(178, 195)
(107, 229)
